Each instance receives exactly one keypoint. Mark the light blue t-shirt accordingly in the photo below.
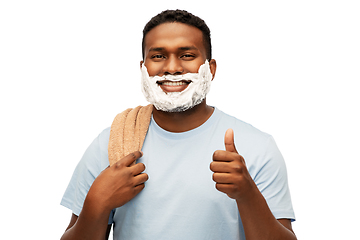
(180, 200)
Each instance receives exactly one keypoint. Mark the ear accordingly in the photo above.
(212, 64)
(141, 62)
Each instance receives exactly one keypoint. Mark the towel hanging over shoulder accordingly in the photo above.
(128, 131)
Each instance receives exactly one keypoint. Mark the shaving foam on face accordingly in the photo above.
(193, 95)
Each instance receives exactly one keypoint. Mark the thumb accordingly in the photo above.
(229, 141)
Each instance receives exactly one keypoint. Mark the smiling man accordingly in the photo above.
(201, 174)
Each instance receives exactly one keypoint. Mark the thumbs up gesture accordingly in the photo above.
(230, 173)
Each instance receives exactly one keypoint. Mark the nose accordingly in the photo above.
(173, 66)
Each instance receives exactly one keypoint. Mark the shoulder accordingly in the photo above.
(103, 138)
(94, 159)
(243, 129)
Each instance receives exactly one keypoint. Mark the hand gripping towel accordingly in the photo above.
(128, 131)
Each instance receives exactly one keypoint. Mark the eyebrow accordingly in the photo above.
(159, 49)
(188, 48)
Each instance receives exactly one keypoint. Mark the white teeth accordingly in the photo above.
(173, 83)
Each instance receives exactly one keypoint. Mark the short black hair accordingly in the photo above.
(180, 16)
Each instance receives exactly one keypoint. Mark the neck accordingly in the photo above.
(183, 121)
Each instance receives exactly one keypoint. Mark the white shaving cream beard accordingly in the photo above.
(191, 96)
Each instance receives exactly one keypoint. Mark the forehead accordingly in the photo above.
(174, 35)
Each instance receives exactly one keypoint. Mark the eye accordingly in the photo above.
(187, 56)
(157, 56)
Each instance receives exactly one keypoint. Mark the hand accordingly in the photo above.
(118, 184)
(230, 172)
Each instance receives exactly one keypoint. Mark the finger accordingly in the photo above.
(224, 178)
(129, 159)
(137, 168)
(221, 167)
(224, 187)
(225, 156)
(138, 188)
(140, 179)
(229, 141)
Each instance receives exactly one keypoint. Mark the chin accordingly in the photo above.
(180, 109)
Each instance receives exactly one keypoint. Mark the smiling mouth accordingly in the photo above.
(171, 83)
(173, 86)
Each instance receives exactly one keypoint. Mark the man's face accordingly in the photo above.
(174, 48)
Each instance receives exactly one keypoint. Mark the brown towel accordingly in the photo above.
(128, 131)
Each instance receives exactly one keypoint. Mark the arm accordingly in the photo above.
(73, 220)
(114, 187)
(259, 222)
(232, 177)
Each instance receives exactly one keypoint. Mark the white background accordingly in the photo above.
(290, 68)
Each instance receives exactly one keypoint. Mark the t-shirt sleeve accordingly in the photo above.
(272, 181)
(89, 167)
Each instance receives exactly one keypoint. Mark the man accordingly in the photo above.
(207, 176)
